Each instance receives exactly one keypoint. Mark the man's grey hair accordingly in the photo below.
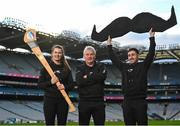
(89, 48)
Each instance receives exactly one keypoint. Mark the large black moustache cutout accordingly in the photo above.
(141, 23)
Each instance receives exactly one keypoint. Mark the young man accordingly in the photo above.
(90, 78)
(134, 82)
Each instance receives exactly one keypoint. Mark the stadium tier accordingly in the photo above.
(29, 111)
(18, 64)
(19, 73)
(22, 69)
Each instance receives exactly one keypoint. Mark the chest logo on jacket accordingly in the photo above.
(57, 71)
(130, 70)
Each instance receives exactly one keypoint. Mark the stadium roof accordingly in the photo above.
(12, 33)
(11, 37)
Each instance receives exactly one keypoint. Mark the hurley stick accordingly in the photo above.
(30, 38)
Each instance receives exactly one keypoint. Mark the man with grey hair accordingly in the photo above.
(90, 77)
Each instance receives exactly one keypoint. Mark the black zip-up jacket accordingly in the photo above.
(134, 76)
(92, 87)
(65, 78)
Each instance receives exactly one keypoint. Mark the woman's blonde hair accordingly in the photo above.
(63, 59)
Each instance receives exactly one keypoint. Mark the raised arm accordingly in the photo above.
(112, 56)
(150, 56)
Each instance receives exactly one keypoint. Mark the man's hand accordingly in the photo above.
(109, 41)
(151, 33)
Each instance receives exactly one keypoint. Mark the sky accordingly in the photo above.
(80, 16)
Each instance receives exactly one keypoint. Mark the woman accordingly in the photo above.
(54, 102)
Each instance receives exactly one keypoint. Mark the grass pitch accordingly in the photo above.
(151, 122)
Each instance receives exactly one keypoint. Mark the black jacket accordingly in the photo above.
(65, 78)
(134, 76)
(92, 87)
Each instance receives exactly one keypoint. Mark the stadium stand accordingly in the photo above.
(165, 73)
(21, 99)
(165, 111)
(33, 111)
(19, 63)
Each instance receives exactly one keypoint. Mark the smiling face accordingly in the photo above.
(56, 55)
(89, 55)
(133, 56)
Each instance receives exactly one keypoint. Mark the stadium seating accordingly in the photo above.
(167, 111)
(13, 62)
(164, 73)
(33, 110)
